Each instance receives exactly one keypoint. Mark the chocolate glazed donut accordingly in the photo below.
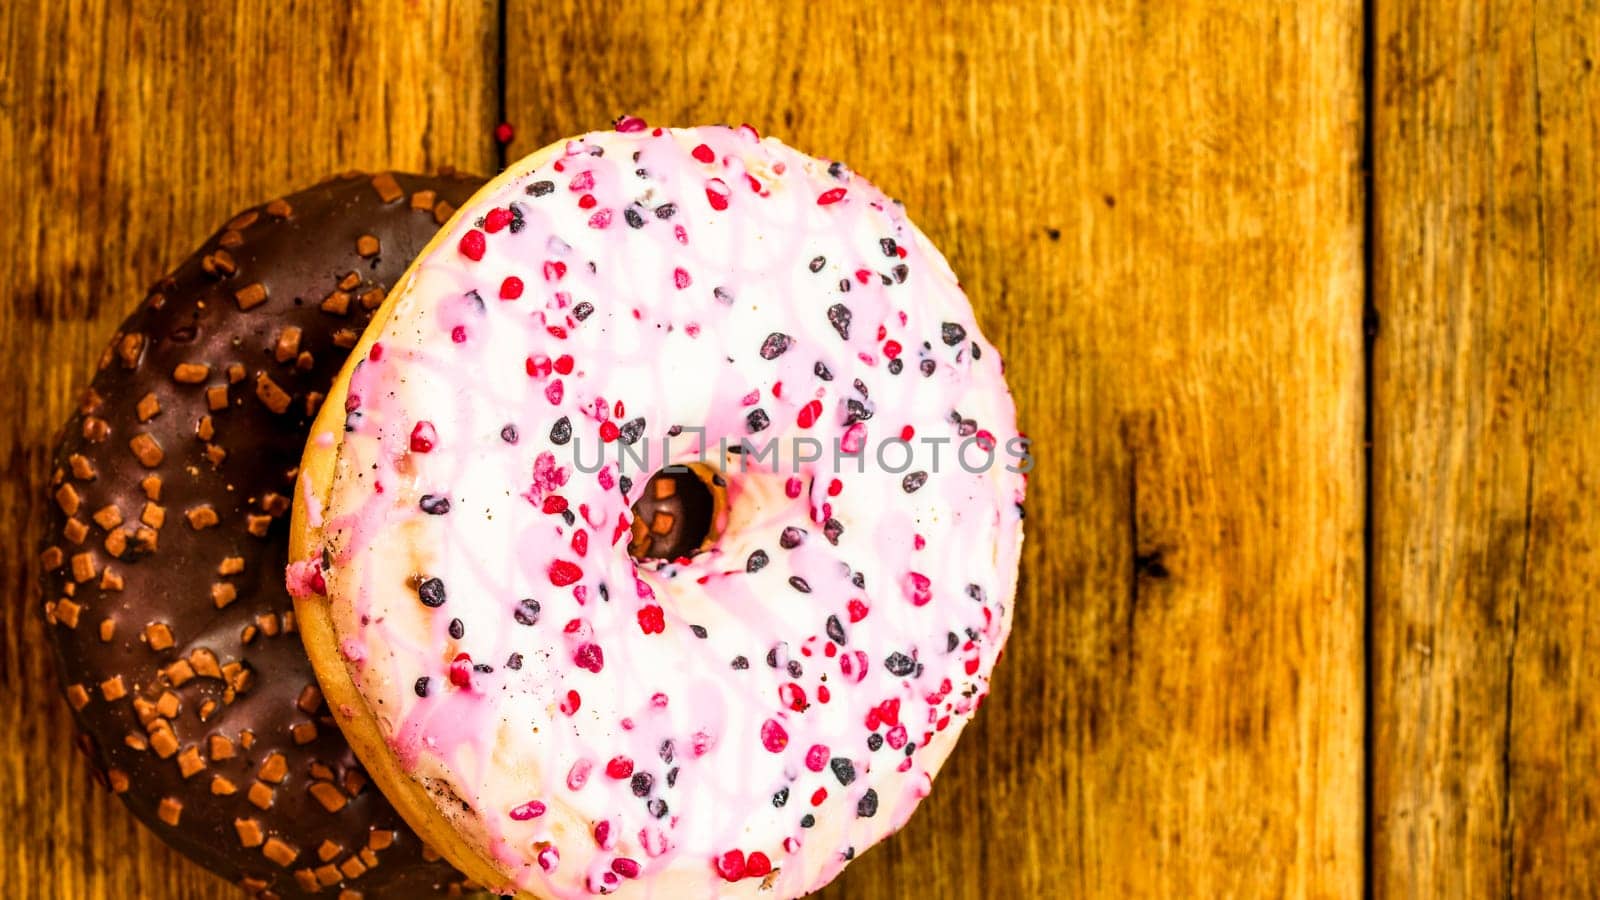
(167, 539)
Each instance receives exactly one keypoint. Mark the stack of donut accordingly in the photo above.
(658, 537)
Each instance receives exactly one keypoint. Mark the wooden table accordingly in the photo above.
(1301, 304)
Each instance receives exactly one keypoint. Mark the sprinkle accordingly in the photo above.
(511, 288)
(791, 537)
(431, 592)
(867, 806)
(461, 671)
(641, 783)
(835, 630)
(625, 867)
(540, 188)
(561, 431)
(773, 737)
(680, 278)
(830, 196)
(809, 414)
(589, 657)
(817, 757)
(533, 809)
(472, 245)
(952, 333)
(839, 317)
(776, 344)
(651, 620)
(504, 133)
(914, 482)
(563, 573)
(757, 866)
(780, 798)
(731, 865)
(527, 612)
(899, 664)
(633, 218)
(817, 262)
(434, 505)
(421, 687)
(843, 769)
(666, 211)
(619, 767)
(423, 437)
(496, 219)
(757, 420)
(703, 154)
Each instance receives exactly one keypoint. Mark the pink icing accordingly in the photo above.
(752, 718)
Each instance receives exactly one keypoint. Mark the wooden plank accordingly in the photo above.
(1158, 216)
(1487, 449)
(129, 131)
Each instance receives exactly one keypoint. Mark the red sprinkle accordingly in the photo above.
(571, 704)
(533, 809)
(458, 334)
(563, 573)
(600, 219)
(830, 196)
(773, 737)
(680, 278)
(555, 505)
(858, 610)
(564, 364)
(757, 865)
(630, 124)
(619, 767)
(461, 671)
(472, 245)
(589, 657)
(587, 201)
(511, 288)
(423, 437)
(820, 797)
(817, 757)
(651, 620)
(578, 775)
(554, 270)
(717, 194)
(809, 414)
(731, 865)
(704, 154)
(625, 867)
(496, 219)
(504, 133)
(609, 431)
(582, 181)
(580, 542)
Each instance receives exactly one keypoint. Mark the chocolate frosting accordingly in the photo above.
(167, 540)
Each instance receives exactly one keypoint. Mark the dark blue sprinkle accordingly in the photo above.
(843, 769)
(527, 612)
(431, 592)
(434, 505)
(561, 432)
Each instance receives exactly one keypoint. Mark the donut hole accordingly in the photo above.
(677, 514)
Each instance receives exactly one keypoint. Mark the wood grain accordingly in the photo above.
(1158, 213)
(1486, 776)
(129, 131)
(1158, 218)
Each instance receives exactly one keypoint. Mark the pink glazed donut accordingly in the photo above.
(562, 719)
